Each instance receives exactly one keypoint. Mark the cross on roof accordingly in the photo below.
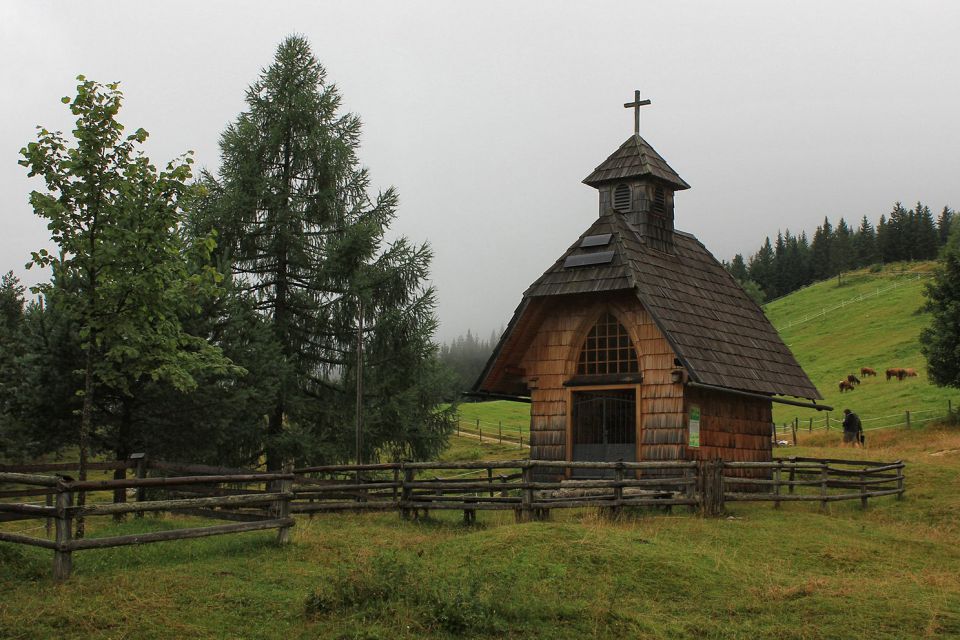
(636, 104)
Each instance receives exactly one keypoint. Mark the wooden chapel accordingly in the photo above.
(637, 344)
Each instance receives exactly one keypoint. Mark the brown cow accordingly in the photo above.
(867, 371)
(846, 386)
(852, 379)
(896, 372)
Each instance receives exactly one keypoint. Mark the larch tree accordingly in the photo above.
(310, 247)
(119, 272)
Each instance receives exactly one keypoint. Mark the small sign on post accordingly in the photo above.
(694, 426)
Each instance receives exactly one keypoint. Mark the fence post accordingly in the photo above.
(863, 491)
(795, 431)
(490, 479)
(406, 492)
(479, 430)
(141, 465)
(824, 476)
(526, 500)
(282, 505)
(793, 473)
(908, 419)
(617, 491)
(900, 480)
(810, 429)
(711, 486)
(776, 483)
(500, 430)
(689, 489)
(62, 559)
(48, 525)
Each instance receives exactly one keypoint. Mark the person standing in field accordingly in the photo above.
(852, 429)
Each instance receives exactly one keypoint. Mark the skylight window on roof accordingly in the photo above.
(586, 259)
(600, 240)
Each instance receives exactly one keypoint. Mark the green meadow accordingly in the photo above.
(891, 571)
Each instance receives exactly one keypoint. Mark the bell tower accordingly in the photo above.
(637, 183)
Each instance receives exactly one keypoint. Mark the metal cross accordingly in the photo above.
(636, 104)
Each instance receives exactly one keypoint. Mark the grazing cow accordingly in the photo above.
(910, 373)
(896, 372)
(846, 386)
(867, 371)
(852, 379)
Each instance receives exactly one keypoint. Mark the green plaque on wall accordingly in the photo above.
(694, 426)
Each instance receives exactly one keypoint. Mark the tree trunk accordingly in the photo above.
(86, 422)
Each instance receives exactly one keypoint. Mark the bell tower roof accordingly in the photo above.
(635, 159)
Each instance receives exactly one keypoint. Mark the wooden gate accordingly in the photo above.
(604, 427)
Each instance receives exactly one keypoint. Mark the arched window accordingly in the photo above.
(607, 349)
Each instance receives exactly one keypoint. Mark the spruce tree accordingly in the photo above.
(821, 260)
(943, 225)
(865, 245)
(940, 342)
(310, 249)
(926, 238)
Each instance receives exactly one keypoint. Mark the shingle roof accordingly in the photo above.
(718, 332)
(635, 158)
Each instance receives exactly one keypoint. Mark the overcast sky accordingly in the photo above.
(487, 115)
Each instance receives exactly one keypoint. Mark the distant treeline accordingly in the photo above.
(465, 358)
(794, 261)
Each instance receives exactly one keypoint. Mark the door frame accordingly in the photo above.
(568, 449)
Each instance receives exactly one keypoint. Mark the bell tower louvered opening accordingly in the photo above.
(659, 201)
(621, 198)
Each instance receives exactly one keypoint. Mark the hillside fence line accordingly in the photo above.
(906, 420)
(253, 500)
(497, 432)
(845, 303)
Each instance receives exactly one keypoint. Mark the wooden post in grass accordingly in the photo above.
(500, 430)
(490, 479)
(908, 420)
(795, 431)
(62, 559)
(863, 491)
(140, 459)
(810, 429)
(406, 492)
(824, 477)
(617, 491)
(793, 473)
(690, 488)
(899, 481)
(48, 525)
(526, 499)
(479, 430)
(776, 483)
(281, 507)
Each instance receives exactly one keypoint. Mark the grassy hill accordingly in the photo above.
(868, 319)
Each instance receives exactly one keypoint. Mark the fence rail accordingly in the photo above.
(266, 506)
(530, 488)
(859, 298)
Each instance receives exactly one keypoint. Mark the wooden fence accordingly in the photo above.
(822, 480)
(256, 500)
(264, 503)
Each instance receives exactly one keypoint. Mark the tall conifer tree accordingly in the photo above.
(310, 248)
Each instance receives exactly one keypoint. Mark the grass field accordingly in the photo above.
(892, 571)
(877, 331)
